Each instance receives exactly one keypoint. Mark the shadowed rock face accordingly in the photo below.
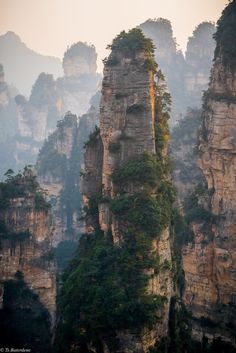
(210, 260)
(26, 261)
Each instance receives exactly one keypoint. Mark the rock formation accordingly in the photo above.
(199, 56)
(170, 60)
(27, 267)
(26, 123)
(128, 241)
(209, 260)
(59, 165)
(186, 77)
(23, 65)
(80, 80)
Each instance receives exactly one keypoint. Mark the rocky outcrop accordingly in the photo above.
(26, 237)
(210, 259)
(116, 194)
(80, 80)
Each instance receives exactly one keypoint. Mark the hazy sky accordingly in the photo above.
(48, 26)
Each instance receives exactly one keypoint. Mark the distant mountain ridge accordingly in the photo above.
(22, 65)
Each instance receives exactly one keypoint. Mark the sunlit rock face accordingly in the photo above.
(26, 238)
(210, 260)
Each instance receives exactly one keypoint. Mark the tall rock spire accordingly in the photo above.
(124, 306)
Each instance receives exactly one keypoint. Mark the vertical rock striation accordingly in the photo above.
(210, 260)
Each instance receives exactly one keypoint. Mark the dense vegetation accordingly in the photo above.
(225, 35)
(22, 185)
(131, 42)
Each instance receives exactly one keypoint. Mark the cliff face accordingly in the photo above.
(210, 260)
(127, 242)
(25, 237)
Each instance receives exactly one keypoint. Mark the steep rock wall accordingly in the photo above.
(26, 238)
(210, 260)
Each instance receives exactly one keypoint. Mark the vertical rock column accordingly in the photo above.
(128, 119)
